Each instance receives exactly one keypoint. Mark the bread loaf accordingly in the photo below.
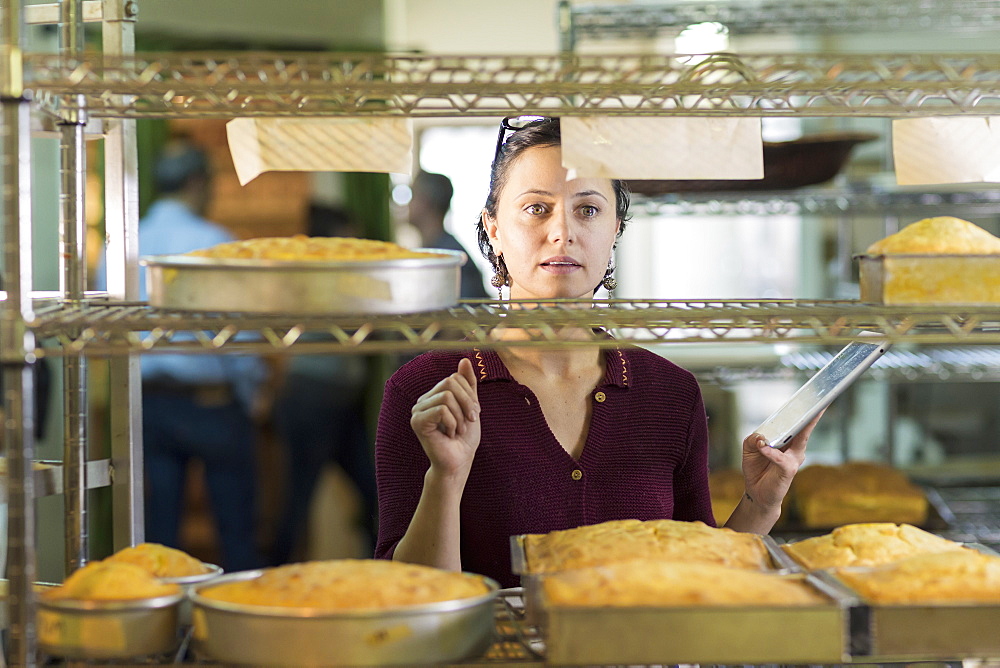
(644, 582)
(856, 492)
(942, 235)
(871, 544)
(620, 540)
(942, 577)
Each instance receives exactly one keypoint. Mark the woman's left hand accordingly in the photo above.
(768, 471)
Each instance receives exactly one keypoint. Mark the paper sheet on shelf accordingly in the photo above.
(260, 145)
(630, 147)
(956, 149)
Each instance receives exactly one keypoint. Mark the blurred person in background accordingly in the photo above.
(429, 204)
(196, 407)
(319, 415)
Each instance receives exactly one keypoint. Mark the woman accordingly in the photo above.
(475, 446)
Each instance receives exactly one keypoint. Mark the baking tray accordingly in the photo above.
(954, 631)
(405, 285)
(441, 632)
(929, 279)
(76, 629)
(688, 634)
(534, 610)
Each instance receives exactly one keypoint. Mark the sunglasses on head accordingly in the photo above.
(512, 124)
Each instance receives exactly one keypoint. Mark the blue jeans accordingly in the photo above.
(320, 422)
(176, 429)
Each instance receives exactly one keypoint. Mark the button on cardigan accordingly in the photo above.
(645, 456)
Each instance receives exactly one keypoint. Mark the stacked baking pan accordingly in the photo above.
(843, 627)
(684, 634)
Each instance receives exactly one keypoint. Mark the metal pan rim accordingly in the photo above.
(436, 607)
(448, 258)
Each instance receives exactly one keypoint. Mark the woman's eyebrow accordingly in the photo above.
(588, 193)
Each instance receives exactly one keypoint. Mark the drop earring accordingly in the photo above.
(500, 277)
(610, 282)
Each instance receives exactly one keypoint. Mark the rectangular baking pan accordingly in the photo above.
(534, 611)
(703, 635)
(405, 285)
(929, 279)
(924, 632)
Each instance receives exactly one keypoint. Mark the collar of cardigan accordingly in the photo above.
(489, 367)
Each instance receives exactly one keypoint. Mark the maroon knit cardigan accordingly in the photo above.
(645, 457)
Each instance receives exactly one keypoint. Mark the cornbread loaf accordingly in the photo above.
(160, 560)
(941, 577)
(726, 487)
(941, 260)
(111, 581)
(645, 582)
(856, 492)
(621, 540)
(870, 544)
(301, 247)
(349, 584)
(944, 234)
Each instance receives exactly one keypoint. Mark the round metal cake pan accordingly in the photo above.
(76, 629)
(442, 632)
(406, 285)
(187, 584)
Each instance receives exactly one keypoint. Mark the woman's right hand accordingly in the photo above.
(446, 421)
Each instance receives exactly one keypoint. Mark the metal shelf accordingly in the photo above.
(852, 199)
(226, 85)
(969, 363)
(97, 327)
(607, 21)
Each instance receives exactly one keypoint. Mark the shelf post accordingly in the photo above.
(17, 342)
(121, 205)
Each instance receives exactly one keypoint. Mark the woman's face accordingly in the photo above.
(555, 235)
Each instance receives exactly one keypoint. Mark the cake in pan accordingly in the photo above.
(856, 492)
(871, 544)
(620, 540)
(943, 577)
(110, 581)
(349, 584)
(301, 247)
(160, 560)
(647, 582)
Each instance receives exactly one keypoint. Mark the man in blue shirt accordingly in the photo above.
(196, 407)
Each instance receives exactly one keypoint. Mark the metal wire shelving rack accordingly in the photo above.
(118, 86)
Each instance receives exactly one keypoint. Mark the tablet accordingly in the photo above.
(820, 390)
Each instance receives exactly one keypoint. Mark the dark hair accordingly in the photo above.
(436, 189)
(331, 221)
(177, 165)
(540, 133)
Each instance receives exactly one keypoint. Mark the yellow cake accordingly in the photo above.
(349, 584)
(111, 581)
(726, 487)
(870, 544)
(940, 260)
(301, 247)
(645, 582)
(856, 492)
(160, 560)
(941, 235)
(621, 540)
(954, 576)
